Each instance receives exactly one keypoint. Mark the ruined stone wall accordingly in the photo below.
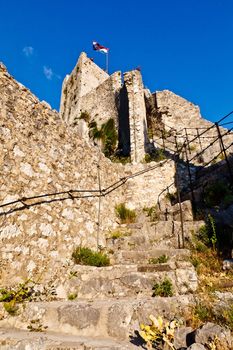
(101, 102)
(85, 77)
(40, 155)
(177, 113)
(137, 115)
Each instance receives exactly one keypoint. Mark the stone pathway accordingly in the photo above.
(111, 301)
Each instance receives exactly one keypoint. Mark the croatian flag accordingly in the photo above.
(98, 47)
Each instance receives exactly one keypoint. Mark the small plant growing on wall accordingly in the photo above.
(156, 156)
(124, 214)
(153, 213)
(207, 234)
(171, 196)
(85, 256)
(163, 289)
(12, 296)
(162, 259)
(107, 134)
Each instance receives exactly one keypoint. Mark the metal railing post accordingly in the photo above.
(224, 151)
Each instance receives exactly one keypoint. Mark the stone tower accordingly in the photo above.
(91, 90)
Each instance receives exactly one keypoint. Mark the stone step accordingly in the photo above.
(108, 318)
(19, 340)
(161, 233)
(143, 256)
(127, 280)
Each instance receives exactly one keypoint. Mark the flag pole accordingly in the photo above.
(107, 62)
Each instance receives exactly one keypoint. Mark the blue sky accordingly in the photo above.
(185, 46)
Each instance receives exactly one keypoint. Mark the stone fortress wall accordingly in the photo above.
(103, 101)
(40, 155)
(100, 103)
(133, 108)
(185, 119)
(85, 77)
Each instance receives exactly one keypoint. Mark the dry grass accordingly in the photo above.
(212, 278)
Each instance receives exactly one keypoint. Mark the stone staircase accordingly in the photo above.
(111, 301)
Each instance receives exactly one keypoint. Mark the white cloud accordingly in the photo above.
(28, 51)
(48, 72)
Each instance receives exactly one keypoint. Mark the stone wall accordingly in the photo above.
(85, 77)
(40, 155)
(179, 114)
(89, 89)
(101, 102)
(142, 191)
(137, 115)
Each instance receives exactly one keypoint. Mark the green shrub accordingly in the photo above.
(160, 334)
(150, 133)
(207, 233)
(11, 296)
(203, 234)
(203, 312)
(200, 247)
(124, 214)
(120, 159)
(118, 234)
(163, 289)
(72, 296)
(153, 213)
(11, 307)
(195, 261)
(217, 193)
(20, 293)
(160, 260)
(228, 316)
(85, 256)
(110, 137)
(107, 134)
(155, 156)
(36, 326)
(171, 196)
